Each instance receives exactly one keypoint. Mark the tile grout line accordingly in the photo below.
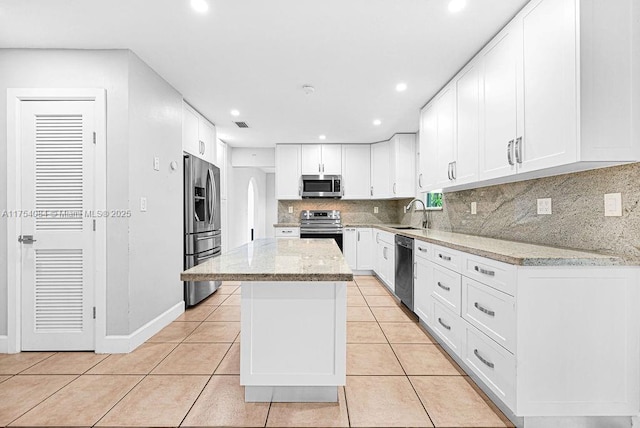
(266, 420)
(405, 372)
(346, 404)
(197, 398)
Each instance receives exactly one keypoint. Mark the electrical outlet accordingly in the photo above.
(290, 210)
(375, 210)
(143, 204)
(156, 163)
(474, 208)
(613, 205)
(544, 206)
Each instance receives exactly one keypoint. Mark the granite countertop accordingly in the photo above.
(276, 260)
(515, 253)
(286, 225)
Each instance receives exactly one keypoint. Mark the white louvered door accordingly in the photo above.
(57, 190)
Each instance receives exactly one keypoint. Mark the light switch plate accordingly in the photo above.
(544, 206)
(375, 210)
(143, 204)
(290, 210)
(156, 163)
(474, 208)
(613, 205)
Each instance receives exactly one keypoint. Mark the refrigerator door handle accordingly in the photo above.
(210, 196)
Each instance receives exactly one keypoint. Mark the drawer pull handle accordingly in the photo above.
(484, 271)
(487, 363)
(424, 250)
(485, 310)
(448, 327)
(445, 258)
(444, 287)
(287, 231)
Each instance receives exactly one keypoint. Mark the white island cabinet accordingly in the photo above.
(293, 316)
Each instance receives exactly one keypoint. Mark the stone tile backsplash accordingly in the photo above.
(509, 211)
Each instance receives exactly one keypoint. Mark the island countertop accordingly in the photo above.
(276, 260)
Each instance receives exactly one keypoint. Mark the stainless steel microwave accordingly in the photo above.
(321, 186)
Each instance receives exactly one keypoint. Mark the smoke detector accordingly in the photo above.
(308, 89)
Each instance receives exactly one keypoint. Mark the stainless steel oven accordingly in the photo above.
(322, 186)
(321, 224)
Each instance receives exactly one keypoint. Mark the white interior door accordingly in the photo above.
(57, 188)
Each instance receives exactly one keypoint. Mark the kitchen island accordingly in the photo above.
(293, 316)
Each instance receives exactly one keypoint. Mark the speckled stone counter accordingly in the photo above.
(286, 225)
(515, 253)
(276, 260)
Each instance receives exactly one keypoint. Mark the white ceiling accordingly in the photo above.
(255, 55)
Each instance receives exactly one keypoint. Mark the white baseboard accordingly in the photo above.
(4, 344)
(126, 343)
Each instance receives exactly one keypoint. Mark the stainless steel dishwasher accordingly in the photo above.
(404, 270)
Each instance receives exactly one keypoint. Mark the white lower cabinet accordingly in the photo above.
(384, 265)
(287, 232)
(358, 248)
(547, 341)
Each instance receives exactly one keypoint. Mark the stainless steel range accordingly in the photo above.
(320, 224)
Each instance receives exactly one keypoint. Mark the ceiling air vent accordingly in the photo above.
(242, 124)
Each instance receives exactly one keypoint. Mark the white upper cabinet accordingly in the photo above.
(501, 103)
(198, 135)
(288, 185)
(428, 146)
(321, 159)
(465, 166)
(402, 165)
(380, 173)
(550, 135)
(356, 171)
(445, 147)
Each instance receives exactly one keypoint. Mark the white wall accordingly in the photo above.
(144, 253)
(237, 204)
(155, 236)
(32, 68)
(271, 212)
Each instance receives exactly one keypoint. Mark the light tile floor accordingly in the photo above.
(188, 375)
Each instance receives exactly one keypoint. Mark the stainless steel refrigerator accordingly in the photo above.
(202, 234)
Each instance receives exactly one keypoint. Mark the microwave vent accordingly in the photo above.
(242, 124)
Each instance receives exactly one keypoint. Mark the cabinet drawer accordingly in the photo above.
(492, 363)
(446, 288)
(448, 326)
(287, 232)
(491, 272)
(447, 257)
(422, 250)
(491, 311)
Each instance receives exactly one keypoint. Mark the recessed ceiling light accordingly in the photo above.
(235, 112)
(200, 6)
(457, 5)
(323, 137)
(377, 122)
(401, 87)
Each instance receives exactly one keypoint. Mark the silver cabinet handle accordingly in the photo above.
(518, 150)
(484, 271)
(486, 363)
(445, 258)
(394, 188)
(26, 239)
(444, 287)
(287, 231)
(453, 170)
(510, 153)
(371, 190)
(485, 310)
(377, 237)
(449, 171)
(420, 181)
(448, 327)
(424, 250)
(415, 270)
(384, 253)
(319, 168)
(358, 235)
(322, 167)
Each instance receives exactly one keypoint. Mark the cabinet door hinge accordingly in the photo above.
(94, 138)
(94, 312)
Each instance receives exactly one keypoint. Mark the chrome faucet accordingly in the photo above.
(425, 222)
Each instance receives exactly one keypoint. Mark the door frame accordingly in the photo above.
(15, 96)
